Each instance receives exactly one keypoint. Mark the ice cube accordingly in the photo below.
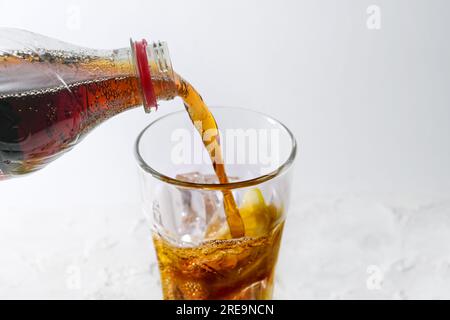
(202, 210)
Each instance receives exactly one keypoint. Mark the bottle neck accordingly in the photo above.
(154, 70)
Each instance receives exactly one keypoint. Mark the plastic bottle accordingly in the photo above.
(53, 93)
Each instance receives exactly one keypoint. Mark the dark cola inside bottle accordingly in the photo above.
(53, 93)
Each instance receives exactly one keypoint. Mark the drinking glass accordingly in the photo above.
(183, 202)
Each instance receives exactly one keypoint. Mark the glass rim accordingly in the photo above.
(217, 186)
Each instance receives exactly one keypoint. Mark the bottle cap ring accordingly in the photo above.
(140, 49)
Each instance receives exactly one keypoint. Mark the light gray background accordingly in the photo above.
(370, 109)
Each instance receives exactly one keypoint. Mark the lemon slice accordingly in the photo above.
(258, 218)
(256, 214)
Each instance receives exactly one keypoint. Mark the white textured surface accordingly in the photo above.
(330, 248)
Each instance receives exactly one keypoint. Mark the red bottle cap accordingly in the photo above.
(148, 91)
